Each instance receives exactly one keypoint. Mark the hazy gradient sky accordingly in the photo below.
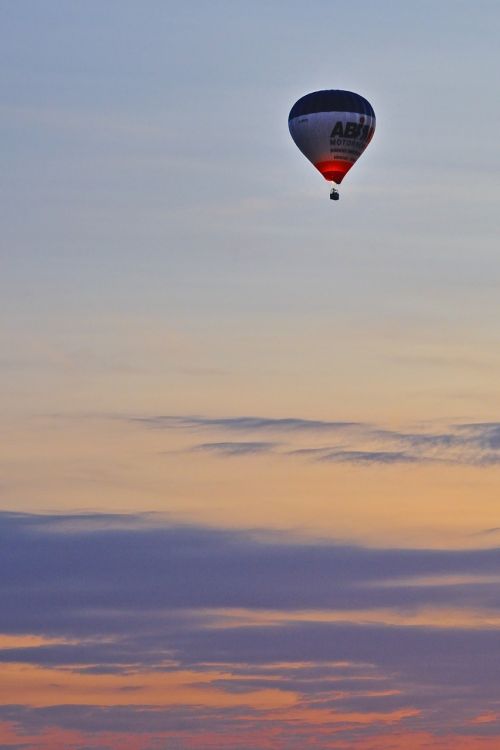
(250, 475)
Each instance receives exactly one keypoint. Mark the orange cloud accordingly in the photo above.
(37, 686)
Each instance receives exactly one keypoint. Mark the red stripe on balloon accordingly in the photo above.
(334, 171)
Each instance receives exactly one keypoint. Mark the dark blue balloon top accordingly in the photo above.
(333, 100)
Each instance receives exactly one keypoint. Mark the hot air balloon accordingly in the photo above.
(332, 129)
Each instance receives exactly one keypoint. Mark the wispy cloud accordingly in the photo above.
(485, 434)
(369, 457)
(233, 448)
(245, 423)
(361, 443)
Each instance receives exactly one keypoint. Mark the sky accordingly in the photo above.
(250, 469)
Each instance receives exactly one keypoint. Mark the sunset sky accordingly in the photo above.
(250, 469)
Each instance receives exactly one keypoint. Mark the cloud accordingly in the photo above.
(485, 434)
(74, 560)
(232, 448)
(475, 444)
(369, 457)
(245, 423)
(131, 597)
(137, 719)
(122, 554)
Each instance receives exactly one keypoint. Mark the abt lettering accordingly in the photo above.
(350, 130)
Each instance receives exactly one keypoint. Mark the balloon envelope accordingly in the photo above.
(332, 129)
